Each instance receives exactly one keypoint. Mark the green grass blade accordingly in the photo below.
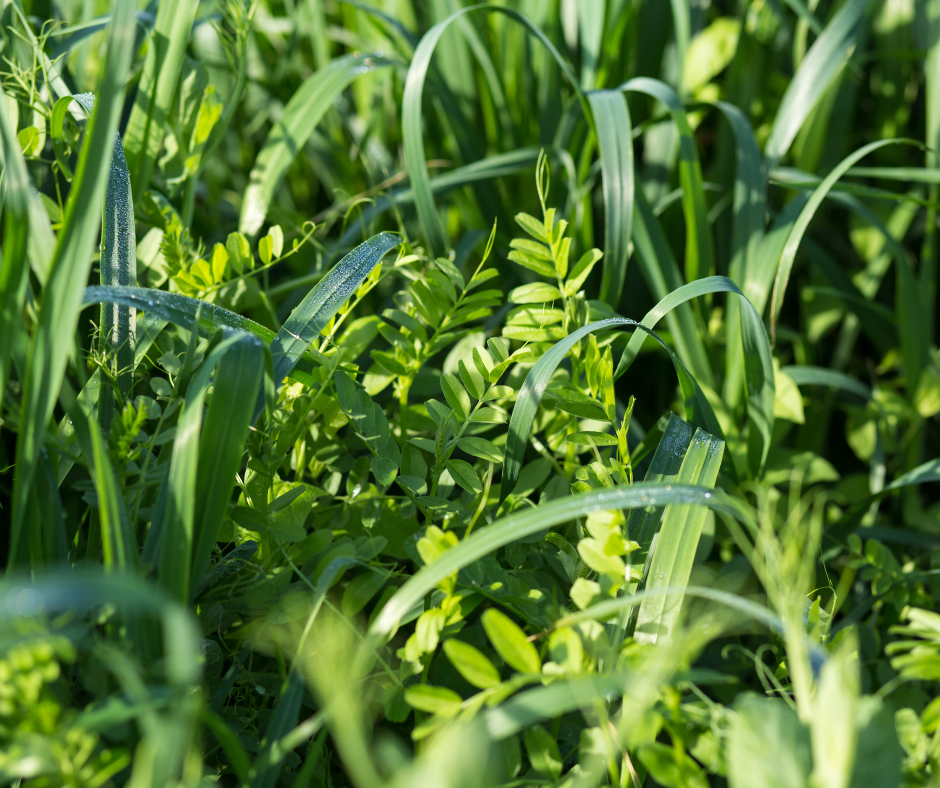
(545, 703)
(698, 410)
(314, 312)
(591, 34)
(664, 468)
(819, 68)
(182, 311)
(286, 140)
(519, 525)
(411, 116)
(118, 542)
(58, 315)
(788, 254)
(759, 278)
(758, 360)
(699, 250)
(498, 166)
(748, 207)
(615, 143)
(823, 376)
(662, 277)
(149, 116)
(225, 430)
(14, 271)
(179, 530)
(674, 552)
(118, 267)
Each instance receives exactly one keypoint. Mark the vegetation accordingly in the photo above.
(538, 393)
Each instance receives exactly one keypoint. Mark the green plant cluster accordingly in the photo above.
(333, 453)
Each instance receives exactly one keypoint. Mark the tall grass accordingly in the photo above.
(362, 471)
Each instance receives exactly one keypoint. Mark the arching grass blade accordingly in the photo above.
(286, 140)
(411, 115)
(698, 410)
(321, 303)
(699, 251)
(822, 63)
(518, 525)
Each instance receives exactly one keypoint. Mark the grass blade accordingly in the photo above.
(183, 311)
(321, 303)
(14, 272)
(52, 341)
(118, 267)
(662, 277)
(819, 68)
(806, 215)
(144, 134)
(615, 142)
(224, 433)
(190, 492)
(697, 407)
(758, 360)
(699, 251)
(519, 525)
(118, 542)
(411, 116)
(675, 548)
(285, 141)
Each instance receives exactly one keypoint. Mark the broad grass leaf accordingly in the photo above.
(289, 135)
(674, 554)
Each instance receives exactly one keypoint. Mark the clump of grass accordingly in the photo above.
(368, 475)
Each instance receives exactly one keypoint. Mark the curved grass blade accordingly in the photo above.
(662, 277)
(823, 376)
(237, 380)
(144, 134)
(699, 251)
(498, 166)
(411, 116)
(118, 542)
(698, 410)
(14, 271)
(285, 141)
(519, 525)
(183, 311)
(806, 215)
(757, 358)
(118, 268)
(677, 542)
(821, 65)
(615, 143)
(52, 341)
(545, 703)
(191, 488)
(314, 312)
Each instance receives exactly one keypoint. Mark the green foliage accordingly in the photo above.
(362, 471)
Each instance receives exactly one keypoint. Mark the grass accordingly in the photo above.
(363, 470)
